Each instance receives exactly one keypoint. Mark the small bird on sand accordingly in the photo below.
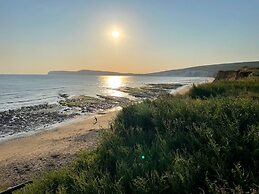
(95, 120)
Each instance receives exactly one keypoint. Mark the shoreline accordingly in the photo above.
(29, 120)
(24, 158)
(27, 157)
(56, 125)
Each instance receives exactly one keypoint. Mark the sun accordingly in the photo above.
(115, 34)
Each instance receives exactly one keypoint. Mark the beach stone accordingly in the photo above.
(30, 118)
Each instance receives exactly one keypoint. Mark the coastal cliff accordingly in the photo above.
(237, 74)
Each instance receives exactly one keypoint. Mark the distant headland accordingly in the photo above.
(198, 71)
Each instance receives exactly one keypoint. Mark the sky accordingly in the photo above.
(37, 36)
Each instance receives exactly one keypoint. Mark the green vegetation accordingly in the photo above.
(1, 189)
(165, 86)
(248, 87)
(205, 143)
(78, 101)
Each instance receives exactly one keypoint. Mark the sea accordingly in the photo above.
(17, 91)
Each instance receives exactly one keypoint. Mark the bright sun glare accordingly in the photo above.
(115, 34)
(114, 82)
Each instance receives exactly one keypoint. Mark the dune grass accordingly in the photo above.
(171, 145)
(248, 87)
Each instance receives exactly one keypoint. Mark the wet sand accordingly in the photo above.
(24, 158)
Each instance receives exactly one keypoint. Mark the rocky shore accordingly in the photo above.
(31, 118)
(150, 90)
(23, 159)
(26, 158)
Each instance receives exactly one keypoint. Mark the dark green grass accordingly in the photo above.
(189, 145)
(248, 87)
(208, 143)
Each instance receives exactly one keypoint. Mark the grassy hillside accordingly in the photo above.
(248, 87)
(206, 70)
(206, 142)
(198, 71)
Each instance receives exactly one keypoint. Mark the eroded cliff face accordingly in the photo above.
(238, 74)
(226, 75)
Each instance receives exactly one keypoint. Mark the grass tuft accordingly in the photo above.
(205, 143)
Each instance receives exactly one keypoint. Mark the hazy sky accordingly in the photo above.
(41, 35)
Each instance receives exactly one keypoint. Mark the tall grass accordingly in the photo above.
(188, 146)
(173, 145)
(248, 87)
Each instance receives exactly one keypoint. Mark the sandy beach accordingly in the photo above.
(24, 158)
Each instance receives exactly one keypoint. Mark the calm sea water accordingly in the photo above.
(24, 90)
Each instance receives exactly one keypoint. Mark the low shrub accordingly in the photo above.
(169, 145)
(248, 87)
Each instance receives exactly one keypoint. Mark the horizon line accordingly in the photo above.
(188, 67)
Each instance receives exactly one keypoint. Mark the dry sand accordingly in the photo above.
(186, 88)
(24, 158)
(182, 90)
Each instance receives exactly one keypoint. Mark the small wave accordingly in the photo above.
(30, 100)
(44, 89)
(8, 94)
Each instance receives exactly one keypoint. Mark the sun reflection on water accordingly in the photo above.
(113, 83)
